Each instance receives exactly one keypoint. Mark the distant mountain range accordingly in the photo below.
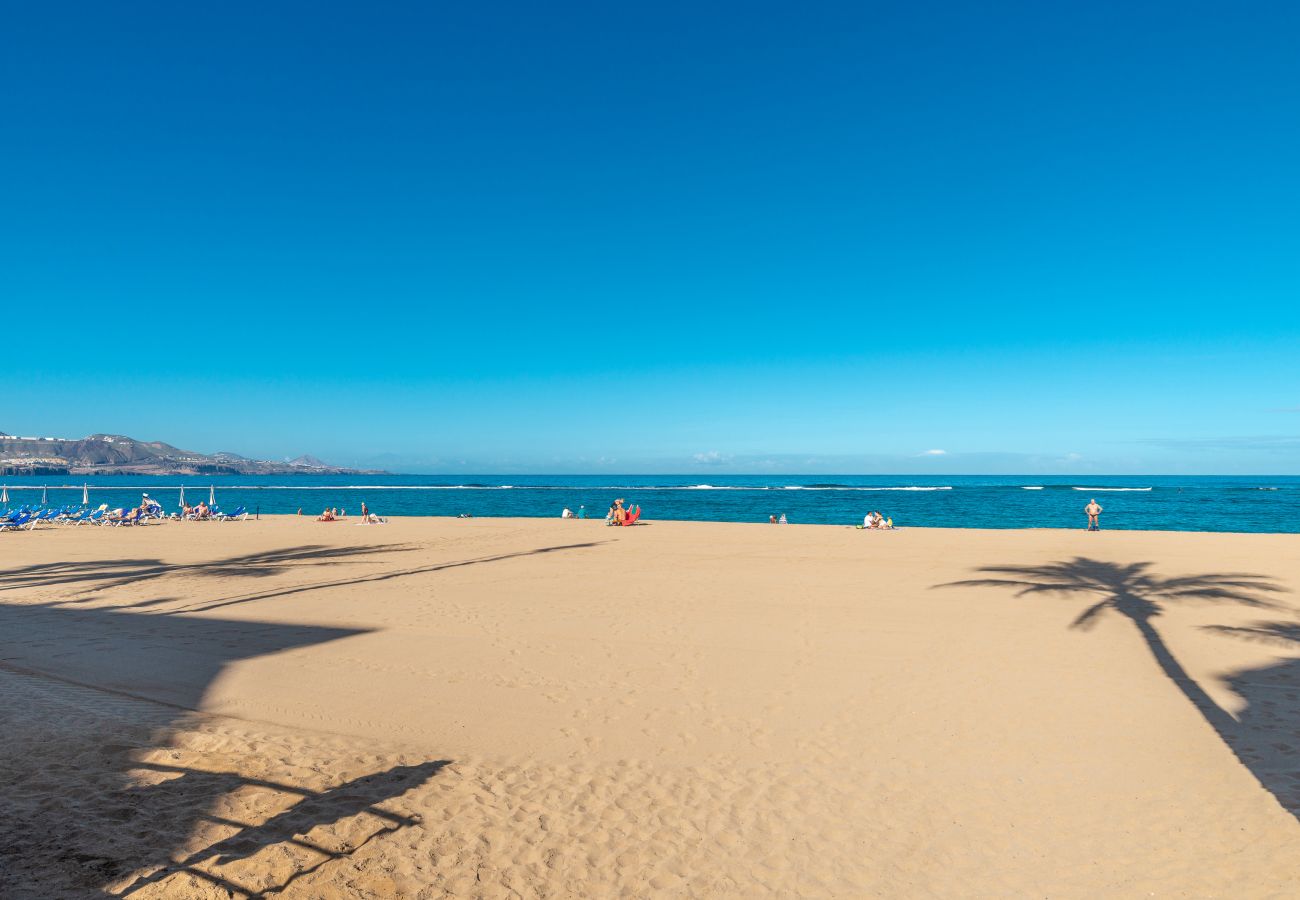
(116, 454)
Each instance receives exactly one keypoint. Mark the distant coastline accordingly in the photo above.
(116, 454)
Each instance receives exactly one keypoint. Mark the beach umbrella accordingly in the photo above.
(212, 495)
(85, 494)
(43, 495)
(4, 494)
(182, 501)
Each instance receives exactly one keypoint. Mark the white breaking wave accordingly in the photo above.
(1098, 490)
(804, 487)
(1031, 487)
(325, 487)
(489, 487)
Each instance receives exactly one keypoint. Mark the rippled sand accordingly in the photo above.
(548, 709)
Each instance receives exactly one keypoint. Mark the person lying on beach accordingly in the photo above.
(326, 516)
(373, 519)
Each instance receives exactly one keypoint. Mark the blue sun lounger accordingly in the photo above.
(14, 524)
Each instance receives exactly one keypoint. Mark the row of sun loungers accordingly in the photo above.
(26, 518)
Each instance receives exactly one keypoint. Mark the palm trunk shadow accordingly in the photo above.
(1217, 717)
(1134, 592)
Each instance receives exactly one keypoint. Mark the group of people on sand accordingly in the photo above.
(875, 521)
(778, 521)
(195, 513)
(621, 515)
(368, 516)
(618, 514)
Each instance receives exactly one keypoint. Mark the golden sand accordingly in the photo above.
(546, 708)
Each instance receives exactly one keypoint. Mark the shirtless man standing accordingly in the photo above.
(1093, 510)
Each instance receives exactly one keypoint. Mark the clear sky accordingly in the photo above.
(1036, 237)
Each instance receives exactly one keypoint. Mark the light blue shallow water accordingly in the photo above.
(1175, 503)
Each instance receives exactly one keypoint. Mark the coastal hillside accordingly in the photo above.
(116, 454)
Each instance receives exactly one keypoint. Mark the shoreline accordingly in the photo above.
(350, 520)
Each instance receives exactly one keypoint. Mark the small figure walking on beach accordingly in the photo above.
(1093, 509)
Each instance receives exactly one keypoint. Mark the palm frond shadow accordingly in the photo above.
(1271, 719)
(1278, 634)
(349, 803)
(81, 821)
(105, 574)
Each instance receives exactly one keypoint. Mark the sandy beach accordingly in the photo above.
(546, 708)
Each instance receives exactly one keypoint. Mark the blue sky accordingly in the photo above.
(717, 237)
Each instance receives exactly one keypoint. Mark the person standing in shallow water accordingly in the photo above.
(1093, 509)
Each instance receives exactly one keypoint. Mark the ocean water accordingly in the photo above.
(1167, 503)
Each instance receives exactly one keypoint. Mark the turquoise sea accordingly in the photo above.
(1173, 503)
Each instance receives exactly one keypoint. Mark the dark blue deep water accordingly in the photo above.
(1175, 503)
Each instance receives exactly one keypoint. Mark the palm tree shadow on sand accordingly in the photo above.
(79, 818)
(1266, 734)
(96, 699)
